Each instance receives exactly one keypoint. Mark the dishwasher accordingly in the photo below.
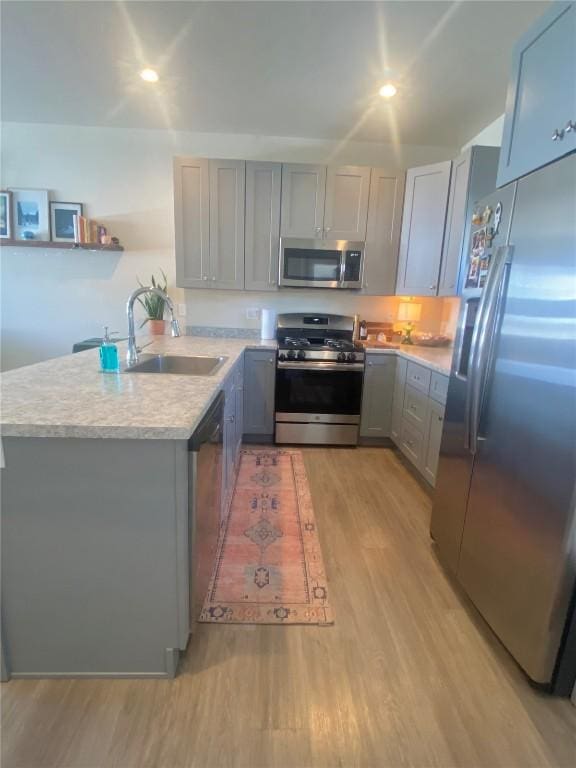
(205, 466)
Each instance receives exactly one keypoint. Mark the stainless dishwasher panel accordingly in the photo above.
(205, 465)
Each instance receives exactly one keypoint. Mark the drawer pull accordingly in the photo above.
(558, 134)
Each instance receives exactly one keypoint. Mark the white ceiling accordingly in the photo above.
(309, 69)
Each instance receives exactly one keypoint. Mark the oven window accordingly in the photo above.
(303, 264)
(301, 391)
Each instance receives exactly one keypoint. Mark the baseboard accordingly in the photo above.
(376, 442)
(258, 439)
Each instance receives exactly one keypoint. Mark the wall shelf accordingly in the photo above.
(60, 246)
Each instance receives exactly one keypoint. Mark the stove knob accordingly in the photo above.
(351, 357)
(291, 355)
(341, 357)
(301, 355)
(281, 356)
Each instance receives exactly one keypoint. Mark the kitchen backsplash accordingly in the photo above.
(230, 309)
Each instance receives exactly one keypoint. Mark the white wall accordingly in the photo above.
(52, 298)
(490, 136)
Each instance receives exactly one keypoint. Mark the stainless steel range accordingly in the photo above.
(319, 378)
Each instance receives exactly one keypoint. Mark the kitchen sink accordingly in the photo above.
(197, 365)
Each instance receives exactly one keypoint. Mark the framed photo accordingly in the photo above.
(5, 215)
(62, 221)
(30, 219)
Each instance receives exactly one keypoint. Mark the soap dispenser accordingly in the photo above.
(109, 360)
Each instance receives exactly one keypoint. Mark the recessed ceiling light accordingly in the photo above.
(388, 90)
(149, 75)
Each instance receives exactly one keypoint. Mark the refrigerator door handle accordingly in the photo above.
(483, 342)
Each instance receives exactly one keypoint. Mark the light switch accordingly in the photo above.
(182, 310)
(252, 313)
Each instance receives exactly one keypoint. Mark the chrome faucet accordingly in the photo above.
(132, 354)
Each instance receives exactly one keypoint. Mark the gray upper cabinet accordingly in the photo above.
(473, 176)
(192, 221)
(303, 195)
(259, 379)
(209, 221)
(377, 395)
(421, 240)
(383, 231)
(346, 205)
(540, 123)
(227, 195)
(262, 234)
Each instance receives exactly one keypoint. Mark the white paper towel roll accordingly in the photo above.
(267, 324)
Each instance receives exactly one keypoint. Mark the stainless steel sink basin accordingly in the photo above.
(198, 365)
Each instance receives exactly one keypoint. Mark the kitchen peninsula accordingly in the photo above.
(95, 545)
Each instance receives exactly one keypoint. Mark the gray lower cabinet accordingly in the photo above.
(540, 122)
(383, 232)
(473, 176)
(431, 453)
(209, 197)
(418, 415)
(377, 395)
(259, 380)
(262, 230)
(422, 237)
(233, 429)
(398, 400)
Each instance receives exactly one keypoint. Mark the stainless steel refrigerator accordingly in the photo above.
(503, 517)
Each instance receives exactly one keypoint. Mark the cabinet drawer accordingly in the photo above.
(415, 407)
(439, 387)
(418, 377)
(412, 443)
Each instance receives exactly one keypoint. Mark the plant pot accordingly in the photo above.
(156, 327)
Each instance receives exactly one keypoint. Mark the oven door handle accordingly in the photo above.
(320, 366)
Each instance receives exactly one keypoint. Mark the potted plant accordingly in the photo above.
(154, 305)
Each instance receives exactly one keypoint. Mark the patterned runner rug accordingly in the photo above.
(269, 567)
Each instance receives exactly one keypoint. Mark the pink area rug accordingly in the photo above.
(269, 567)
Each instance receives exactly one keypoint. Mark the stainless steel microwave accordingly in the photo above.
(320, 263)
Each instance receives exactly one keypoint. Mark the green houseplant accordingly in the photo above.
(154, 305)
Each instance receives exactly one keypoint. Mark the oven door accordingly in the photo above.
(331, 391)
(318, 403)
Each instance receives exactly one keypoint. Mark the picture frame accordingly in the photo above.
(30, 214)
(62, 220)
(5, 214)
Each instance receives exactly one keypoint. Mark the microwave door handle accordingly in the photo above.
(342, 267)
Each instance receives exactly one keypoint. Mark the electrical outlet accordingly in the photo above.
(252, 313)
(182, 310)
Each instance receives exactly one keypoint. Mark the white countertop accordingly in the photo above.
(439, 359)
(70, 397)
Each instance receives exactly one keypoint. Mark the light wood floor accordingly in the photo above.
(408, 675)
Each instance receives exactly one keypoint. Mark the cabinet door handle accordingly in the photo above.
(213, 279)
(558, 134)
(432, 287)
(271, 361)
(230, 419)
(570, 126)
(327, 229)
(318, 230)
(204, 277)
(370, 363)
